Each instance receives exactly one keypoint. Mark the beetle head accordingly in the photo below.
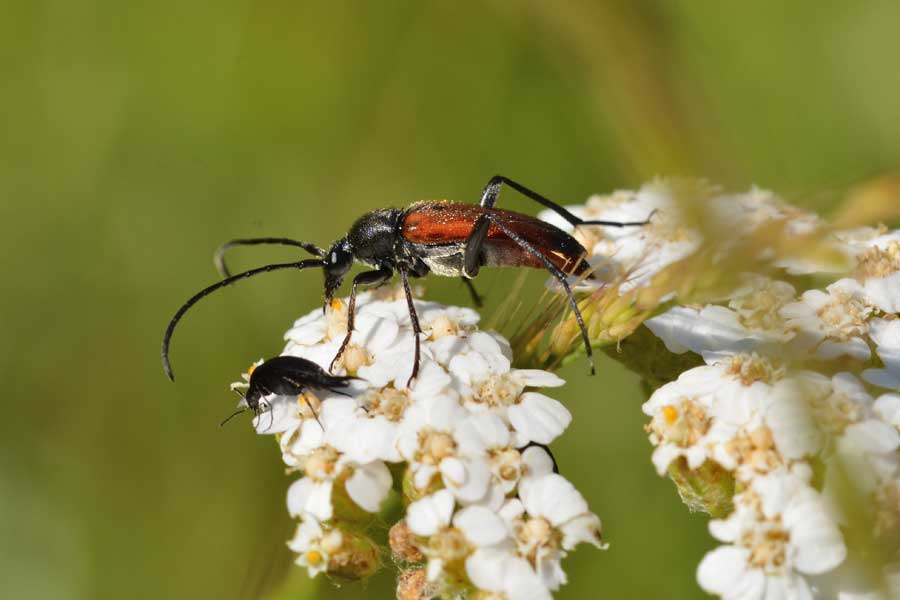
(336, 263)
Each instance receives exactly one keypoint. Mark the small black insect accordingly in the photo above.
(445, 238)
(288, 376)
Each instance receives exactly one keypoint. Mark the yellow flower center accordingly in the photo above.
(759, 308)
(845, 316)
(536, 536)
(498, 390)
(755, 449)
(878, 263)
(670, 414)
(314, 557)
(682, 427)
(750, 368)
(354, 357)
(442, 327)
(388, 402)
(448, 544)
(320, 464)
(507, 463)
(768, 545)
(435, 446)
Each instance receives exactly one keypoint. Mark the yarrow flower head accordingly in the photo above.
(778, 532)
(460, 443)
(782, 417)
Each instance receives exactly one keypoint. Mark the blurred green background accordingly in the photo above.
(137, 136)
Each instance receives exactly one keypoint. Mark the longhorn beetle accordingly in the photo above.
(447, 238)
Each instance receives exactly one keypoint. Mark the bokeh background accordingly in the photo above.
(137, 136)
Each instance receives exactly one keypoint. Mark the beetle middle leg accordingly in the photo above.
(492, 192)
(473, 293)
(364, 278)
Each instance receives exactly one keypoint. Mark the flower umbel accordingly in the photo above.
(457, 446)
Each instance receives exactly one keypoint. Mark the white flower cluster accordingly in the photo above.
(786, 403)
(463, 446)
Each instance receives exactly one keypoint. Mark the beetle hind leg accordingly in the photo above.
(492, 192)
(560, 278)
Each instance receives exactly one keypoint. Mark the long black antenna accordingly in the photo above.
(219, 256)
(303, 264)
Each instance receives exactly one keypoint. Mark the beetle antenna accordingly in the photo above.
(231, 416)
(219, 256)
(167, 338)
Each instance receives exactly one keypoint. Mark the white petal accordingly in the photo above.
(793, 428)
(819, 545)
(537, 461)
(430, 514)
(422, 475)
(434, 569)
(552, 497)
(480, 525)
(884, 292)
(306, 496)
(482, 431)
(539, 418)
(583, 528)
(475, 483)
(538, 378)
(887, 407)
(485, 568)
(453, 470)
(725, 571)
(663, 456)
(521, 583)
(369, 485)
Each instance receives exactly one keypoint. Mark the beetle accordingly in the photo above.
(445, 238)
(288, 376)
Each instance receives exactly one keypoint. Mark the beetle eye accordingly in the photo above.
(339, 261)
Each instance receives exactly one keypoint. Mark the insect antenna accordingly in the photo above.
(231, 416)
(303, 264)
(219, 256)
(237, 412)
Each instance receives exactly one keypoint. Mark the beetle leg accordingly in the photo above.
(414, 318)
(474, 246)
(364, 278)
(557, 273)
(476, 297)
(492, 191)
(219, 256)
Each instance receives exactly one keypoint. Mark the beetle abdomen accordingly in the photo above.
(447, 225)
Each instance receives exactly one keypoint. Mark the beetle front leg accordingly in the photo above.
(365, 278)
(414, 318)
